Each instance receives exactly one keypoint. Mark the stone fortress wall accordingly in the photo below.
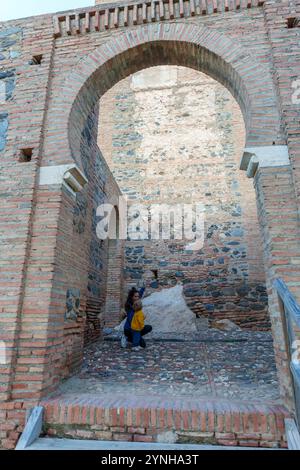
(174, 135)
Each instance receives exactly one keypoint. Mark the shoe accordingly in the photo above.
(136, 348)
(123, 341)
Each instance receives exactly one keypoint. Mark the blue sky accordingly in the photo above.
(13, 9)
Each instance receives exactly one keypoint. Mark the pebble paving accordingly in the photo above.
(239, 367)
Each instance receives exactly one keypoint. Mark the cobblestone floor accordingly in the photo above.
(229, 367)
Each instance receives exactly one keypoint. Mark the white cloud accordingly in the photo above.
(14, 9)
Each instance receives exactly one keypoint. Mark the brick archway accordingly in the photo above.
(200, 48)
(69, 124)
(173, 44)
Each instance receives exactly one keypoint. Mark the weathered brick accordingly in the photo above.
(83, 434)
(122, 437)
(142, 438)
(8, 444)
(227, 442)
(220, 435)
(103, 435)
(132, 430)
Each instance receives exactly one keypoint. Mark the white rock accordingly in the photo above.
(225, 325)
(167, 312)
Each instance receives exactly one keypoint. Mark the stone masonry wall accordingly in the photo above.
(174, 135)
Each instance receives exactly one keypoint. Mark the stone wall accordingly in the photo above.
(174, 135)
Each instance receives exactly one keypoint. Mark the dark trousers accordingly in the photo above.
(129, 334)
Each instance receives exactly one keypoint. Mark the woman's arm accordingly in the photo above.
(141, 320)
(142, 289)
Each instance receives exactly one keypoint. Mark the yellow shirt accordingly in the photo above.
(137, 322)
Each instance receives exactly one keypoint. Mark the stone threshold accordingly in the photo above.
(181, 340)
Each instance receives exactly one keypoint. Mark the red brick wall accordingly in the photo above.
(277, 211)
(206, 423)
(25, 107)
(285, 57)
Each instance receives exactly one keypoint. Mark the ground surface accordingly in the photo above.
(224, 366)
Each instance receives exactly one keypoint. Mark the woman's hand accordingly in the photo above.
(123, 314)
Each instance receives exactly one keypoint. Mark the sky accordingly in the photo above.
(13, 9)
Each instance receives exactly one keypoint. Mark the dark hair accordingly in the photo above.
(129, 301)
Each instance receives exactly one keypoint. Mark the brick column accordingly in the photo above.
(41, 351)
(279, 226)
(114, 289)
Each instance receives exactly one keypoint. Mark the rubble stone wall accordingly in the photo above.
(172, 135)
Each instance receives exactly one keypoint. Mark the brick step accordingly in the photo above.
(161, 419)
(53, 443)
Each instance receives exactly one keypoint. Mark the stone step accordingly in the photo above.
(165, 419)
(52, 443)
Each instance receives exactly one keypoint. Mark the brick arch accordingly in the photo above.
(182, 44)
